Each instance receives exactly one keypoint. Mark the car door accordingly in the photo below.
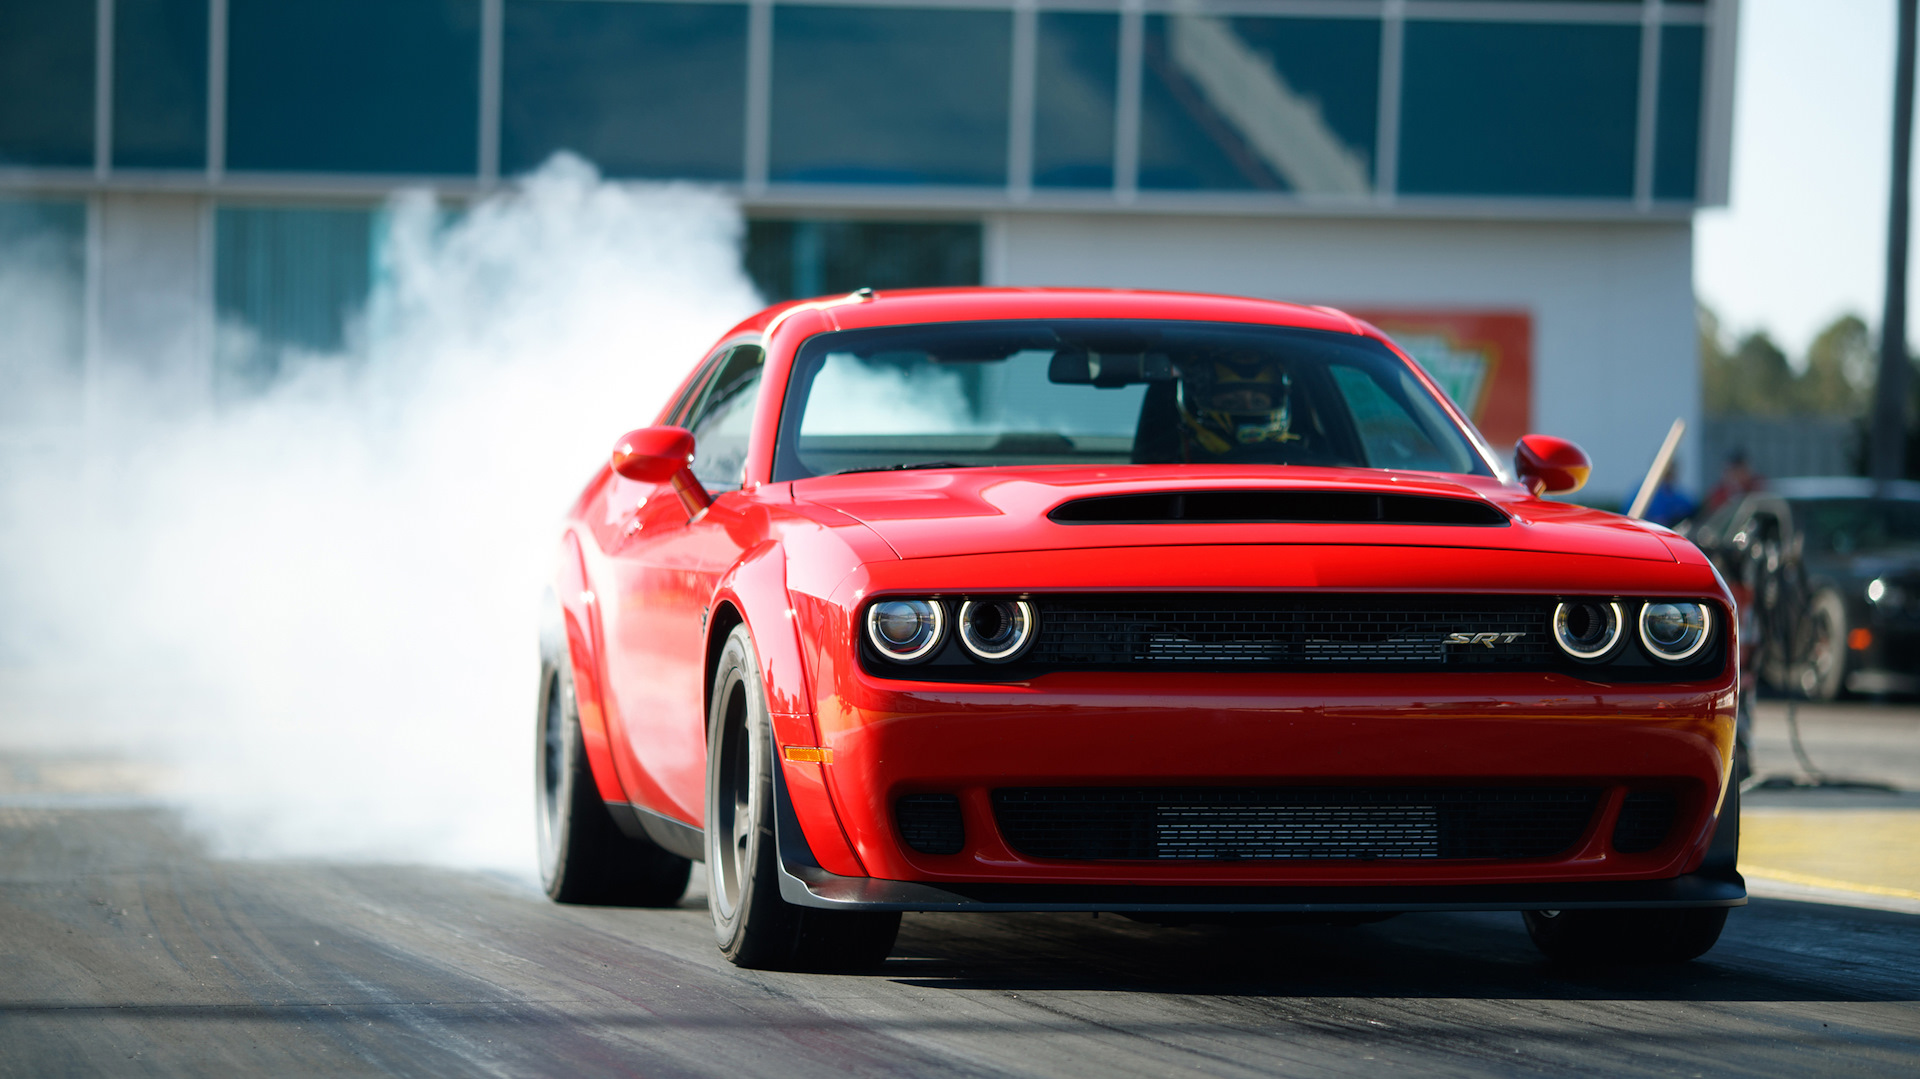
(668, 565)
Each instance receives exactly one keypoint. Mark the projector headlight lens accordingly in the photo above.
(996, 630)
(906, 630)
(1674, 631)
(1587, 628)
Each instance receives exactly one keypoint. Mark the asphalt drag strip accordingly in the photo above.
(124, 949)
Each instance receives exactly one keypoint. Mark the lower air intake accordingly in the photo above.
(1302, 823)
(930, 823)
(1645, 819)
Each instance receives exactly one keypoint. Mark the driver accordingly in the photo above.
(1233, 405)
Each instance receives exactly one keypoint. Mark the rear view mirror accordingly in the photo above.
(1082, 367)
(1551, 466)
(662, 455)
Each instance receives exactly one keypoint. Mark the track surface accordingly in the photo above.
(124, 950)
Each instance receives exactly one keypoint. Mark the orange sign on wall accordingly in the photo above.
(1483, 359)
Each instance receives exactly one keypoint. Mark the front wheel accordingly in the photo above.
(753, 925)
(1625, 937)
(1823, 667)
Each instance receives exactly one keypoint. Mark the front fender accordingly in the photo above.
(580, 617)
(756, 588)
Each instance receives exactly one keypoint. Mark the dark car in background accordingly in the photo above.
(1828, 573)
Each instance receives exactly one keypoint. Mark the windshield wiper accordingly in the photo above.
(906, 467)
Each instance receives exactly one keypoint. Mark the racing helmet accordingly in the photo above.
(1238, 398)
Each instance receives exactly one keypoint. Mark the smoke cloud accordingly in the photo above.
(318, 606)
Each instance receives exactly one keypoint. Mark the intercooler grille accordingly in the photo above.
(1305, 823)
(1295, 632)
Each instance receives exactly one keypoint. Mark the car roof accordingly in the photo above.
(1806, 488)
(897, 307)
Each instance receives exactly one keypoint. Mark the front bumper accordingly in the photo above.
(1715, 883)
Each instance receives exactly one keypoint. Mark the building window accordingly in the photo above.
(160, 84)
(890, 95)
(1258, 103)
(46, 83)
(1075, 87)
(1537, 109)
(288, 285)
(651, 90)
(1676, 154)
(42, 289)
(797, 259)
(380, 86)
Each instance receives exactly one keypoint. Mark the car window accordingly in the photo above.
(1381, 403)
(1084, 391)
(1846, 526)
(723, 420)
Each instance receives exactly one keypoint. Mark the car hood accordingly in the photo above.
(945, 512)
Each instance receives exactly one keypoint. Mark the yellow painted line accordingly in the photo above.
(1870, 851)
(1787, 876)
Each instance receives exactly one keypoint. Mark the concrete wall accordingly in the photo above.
(1614, 351)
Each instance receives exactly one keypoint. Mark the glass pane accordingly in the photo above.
(42, 284)
(1075, 88)
(1255, 103)
(287, 284)
(888, 95)
(1541, 109)
(656, 90)
(724, 421)
(1676, 154)
(160, 84)
(385, 86)
(46, 82)
(1107, 392)
(796, 259)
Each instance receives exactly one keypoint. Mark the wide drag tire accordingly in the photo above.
(1625, 937)
(753, 925)
(584, 856)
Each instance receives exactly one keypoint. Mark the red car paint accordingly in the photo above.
(651, 581)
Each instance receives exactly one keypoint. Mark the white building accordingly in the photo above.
(1509, 184)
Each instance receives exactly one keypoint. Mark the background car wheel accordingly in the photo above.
(1823, 666)
(584, 857)
(1625, 937)
(752, 924)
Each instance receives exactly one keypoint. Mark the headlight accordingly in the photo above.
(996, 630)
(1587, 628)
(906, 630)
(1674, 631)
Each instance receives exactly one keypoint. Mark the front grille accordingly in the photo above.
(930, 823)
(1305, 823)
(1645, 819)
(1295, 632)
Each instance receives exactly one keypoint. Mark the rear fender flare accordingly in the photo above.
(580, 621)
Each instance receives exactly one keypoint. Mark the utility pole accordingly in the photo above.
(1890, 398)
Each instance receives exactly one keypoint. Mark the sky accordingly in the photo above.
(1804, 238)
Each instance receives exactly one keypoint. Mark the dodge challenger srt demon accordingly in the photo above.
(1190, 608)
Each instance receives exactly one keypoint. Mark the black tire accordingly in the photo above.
(584, 856)
(1625, 937)
(1823, 665)
(753, 925)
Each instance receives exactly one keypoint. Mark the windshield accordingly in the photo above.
(954, 395)
(1854, 525)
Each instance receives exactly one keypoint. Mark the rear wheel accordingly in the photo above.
(584, 857)
(753, 925)
(1625, 937)
(1823, 667)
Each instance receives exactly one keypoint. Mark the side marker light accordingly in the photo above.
(808, 754)
(1860, 639)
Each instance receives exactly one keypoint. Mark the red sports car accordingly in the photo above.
(1185, 607)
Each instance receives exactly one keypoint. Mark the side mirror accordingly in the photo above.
(662, 455)
(1551, 466)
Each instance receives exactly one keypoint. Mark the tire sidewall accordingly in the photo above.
(737, 672)
(552, 820)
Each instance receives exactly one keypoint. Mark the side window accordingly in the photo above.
(685, 405)
(723, 420)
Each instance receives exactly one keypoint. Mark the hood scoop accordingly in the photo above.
(1276, 507)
